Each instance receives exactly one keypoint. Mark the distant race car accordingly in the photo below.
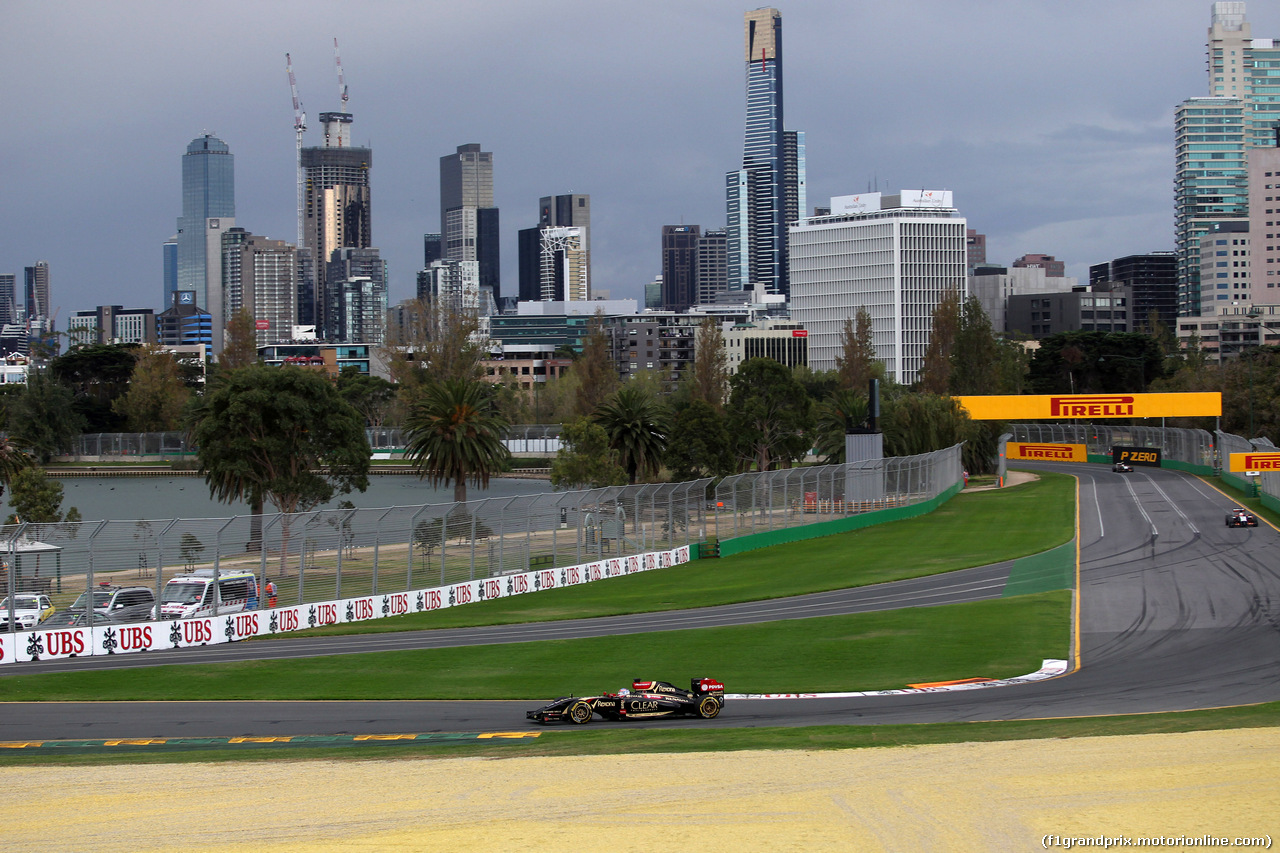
(1122, 468)
(644, 700)
(1241, 517)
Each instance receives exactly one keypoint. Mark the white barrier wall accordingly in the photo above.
(148, 636)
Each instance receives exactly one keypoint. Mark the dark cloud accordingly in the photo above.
(1052, 122)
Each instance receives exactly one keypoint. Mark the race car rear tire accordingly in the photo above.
(579, 713)
(708, 707)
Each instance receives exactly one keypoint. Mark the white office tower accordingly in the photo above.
(894, 254)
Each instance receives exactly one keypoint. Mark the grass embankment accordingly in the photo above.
(971, 529)
(868, 651)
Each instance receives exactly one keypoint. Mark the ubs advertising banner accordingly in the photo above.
(1091, 406)
(228, 628)
(1136, 455)
(1046, 452)
(1241, 462)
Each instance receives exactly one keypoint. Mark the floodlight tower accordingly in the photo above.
(299, 127)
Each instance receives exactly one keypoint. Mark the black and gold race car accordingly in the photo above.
(644, 700)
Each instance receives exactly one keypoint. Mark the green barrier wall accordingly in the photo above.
(751, 542)
(1189, 467)
(1043, 572)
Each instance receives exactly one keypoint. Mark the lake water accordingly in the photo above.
(133, 498)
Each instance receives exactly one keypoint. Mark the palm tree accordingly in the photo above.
(454, 434)
(12, 460)
(837, 416)
(636, 424)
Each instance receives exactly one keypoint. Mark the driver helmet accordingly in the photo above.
(624, 692)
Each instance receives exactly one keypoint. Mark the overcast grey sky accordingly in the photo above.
(1052, 122)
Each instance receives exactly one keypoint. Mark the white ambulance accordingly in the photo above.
(192, 596)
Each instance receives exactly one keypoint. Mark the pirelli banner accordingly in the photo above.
(1046, 452)
(1032, 407)
(1241, 462)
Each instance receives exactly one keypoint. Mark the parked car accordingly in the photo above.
(121, 603)
(644, 700)
(28, 610)
(76, 619)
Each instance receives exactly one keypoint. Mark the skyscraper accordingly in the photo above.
(468, 219)
(169, 253)
(260, 275)
(337, 207)
(208, 208)
(8, 298)
(680, 266)
(37, 297)
(1214, 136)
(769, 190)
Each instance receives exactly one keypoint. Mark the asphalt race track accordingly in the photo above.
(1177, 612)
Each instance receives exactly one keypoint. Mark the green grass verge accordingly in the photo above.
(969, 530)
(867, 651)
(609, 739)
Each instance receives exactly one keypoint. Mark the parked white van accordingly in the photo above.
(191, 596)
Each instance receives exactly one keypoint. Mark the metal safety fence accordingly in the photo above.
(1189, 446)
(172, 446)
(773, 500)
(1265, 483)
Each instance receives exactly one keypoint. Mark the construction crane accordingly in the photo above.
(299, 127)
(342, 83)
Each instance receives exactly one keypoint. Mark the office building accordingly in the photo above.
(184, 323)
(208, 209)
(36, 293)
(894, 255)
(768, 189)
(1053, 268)
(977, 247)
(1104, 309)
(169, 262)
(260, 276)
(8, 298)
(564, 269)
(338, 209)
(453, 287)
(572, 210)
(784, 341)
(356, 292)
(1214, 137)
(992, 286)
(1152, 280)
(112, 324)
(432, 250)
(653, 293)
(711, 272)
(468, 219)
(1264, 219)
(679, 266)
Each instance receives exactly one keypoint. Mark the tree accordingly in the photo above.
(1079, 362)
(856, 364)
(698, 445)
(709, 373)
(35, 498)
(935, 373)
(769, 414)
(636, 424)
(44, 417)
(96, 374)
(836, 417)
(13, 459)
(190, 548)
(454, 435)
(280, 434)
(597, 375)
(585, 460)
(975, 355)
(240, 342)
(157, 395)
(371, 396)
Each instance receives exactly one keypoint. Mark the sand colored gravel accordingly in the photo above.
(956, 797)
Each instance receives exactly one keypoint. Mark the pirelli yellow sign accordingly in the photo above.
(1092, 406)
(1241, 462)
(1046, 452)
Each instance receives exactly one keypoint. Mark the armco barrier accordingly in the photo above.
(769, 538)
(154, 636)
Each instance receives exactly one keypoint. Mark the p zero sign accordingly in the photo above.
(1241, 462)
(1136, 455)
(1092, 406)
(1046, 452)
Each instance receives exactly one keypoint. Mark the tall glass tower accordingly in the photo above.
(208, 202)
(766, 193)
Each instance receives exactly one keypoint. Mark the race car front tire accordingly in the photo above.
(579, 713)
(709, 707)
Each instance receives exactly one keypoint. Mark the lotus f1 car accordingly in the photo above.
(1241, 517)
(644, 700)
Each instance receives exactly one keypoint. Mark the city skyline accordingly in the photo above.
(1043, 151)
